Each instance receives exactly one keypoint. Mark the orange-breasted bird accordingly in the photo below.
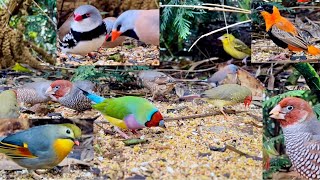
(283, 33)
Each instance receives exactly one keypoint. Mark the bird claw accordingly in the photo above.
(122, 134)
(71, 58)
(34, 175)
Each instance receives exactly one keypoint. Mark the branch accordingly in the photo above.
(208, 8)
(212, 32)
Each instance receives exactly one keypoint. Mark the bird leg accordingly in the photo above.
(122, 134)
(136, 132)
(224, 114)
(244, 60)
(34, 175)
(74, 58)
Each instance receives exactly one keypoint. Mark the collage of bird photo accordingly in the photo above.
(160, 89)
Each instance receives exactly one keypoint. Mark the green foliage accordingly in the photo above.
(310, 75)
(244, 4)
(87, 73)
(94, 74)
(38, 28)
(277, 163)
(178, 19)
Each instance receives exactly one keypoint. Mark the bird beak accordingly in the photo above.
(220, 38)
(260, 8)
(49, 91)
(161, 124)
(275, 113)
(78, 17)
(115, 35)
(76, 142)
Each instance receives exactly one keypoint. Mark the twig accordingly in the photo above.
(207, 8)
(195, 64)
(54, 24)
(200, 115)
(180, 70)
(225, 6)
(231, 148)
(212, 32)
(106, 131)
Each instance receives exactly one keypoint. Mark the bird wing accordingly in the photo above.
(216, 93)
(85, 85)
(113, 107)
(297, 40)
(68, 41)
(16, 151)
(241, 46)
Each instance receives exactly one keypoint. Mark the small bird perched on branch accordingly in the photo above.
(157, 82)
(87, 31)
(235, 47)
(127, 112)
(301, 131)
(143, 25)
(283, 33)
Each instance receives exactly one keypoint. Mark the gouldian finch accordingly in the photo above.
(235, 47)
(301, 130)
(69, 95)
(8, 105)
(127, 112)
(41, 147)
(228, 94)
(283, 33)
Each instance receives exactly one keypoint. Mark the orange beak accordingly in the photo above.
(275, 113)
(115, 35)
(76, 142)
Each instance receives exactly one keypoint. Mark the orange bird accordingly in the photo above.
(283, 33)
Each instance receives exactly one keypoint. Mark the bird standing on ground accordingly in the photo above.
(143, 25)
(69, 95)
(87, 31)
(33, 93)
(157, 82)
(235, 47)
(227, 94)
(283, 33)
(301, 131)
(127, 112)
(221, 74)
(41, 147)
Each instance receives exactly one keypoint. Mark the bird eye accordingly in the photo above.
(88, 15)
(289, 108)
(56, 87)
(68, 131)
(118, 28)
